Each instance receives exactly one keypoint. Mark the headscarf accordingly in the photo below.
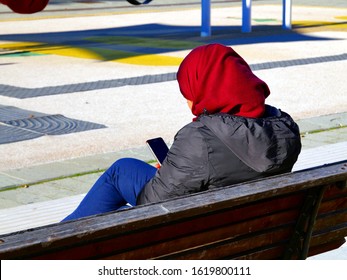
(216, 79)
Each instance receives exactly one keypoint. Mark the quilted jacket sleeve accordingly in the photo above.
(184, 171)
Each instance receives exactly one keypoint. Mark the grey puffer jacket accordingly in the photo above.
(221, 149)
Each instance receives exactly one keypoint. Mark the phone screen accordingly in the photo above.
(158, 148)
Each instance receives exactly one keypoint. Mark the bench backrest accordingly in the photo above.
(289, 216)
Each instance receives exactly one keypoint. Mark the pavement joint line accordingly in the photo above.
(23, 93)
(26, 184)
(322, 130)
(11, 176)
(322, 123)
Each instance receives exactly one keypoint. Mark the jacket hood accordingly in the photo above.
(261, 143)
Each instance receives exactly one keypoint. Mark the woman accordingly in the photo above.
(25, 6)
(235, 137)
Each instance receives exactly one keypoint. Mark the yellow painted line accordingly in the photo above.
(320, 24)
(49, 49)
(95, 53)
(151, 60)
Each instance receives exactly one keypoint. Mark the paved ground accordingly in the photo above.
(49, 56)
(81, 86)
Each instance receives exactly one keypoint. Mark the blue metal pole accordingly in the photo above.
(205, 18)
(287, 14)
(246, 15)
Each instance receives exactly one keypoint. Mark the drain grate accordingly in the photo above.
(53, 125)
(18, 125)
(10, 113)
(9, 134)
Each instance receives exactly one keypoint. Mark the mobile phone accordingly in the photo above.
(158, 148)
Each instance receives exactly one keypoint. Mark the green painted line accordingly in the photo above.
(20, 54)
(144, 42)
(265, 20)
(323, 130)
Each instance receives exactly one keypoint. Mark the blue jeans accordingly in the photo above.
(118, 186)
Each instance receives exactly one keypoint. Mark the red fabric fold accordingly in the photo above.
(217, 79)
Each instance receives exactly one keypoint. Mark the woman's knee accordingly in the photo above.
(125, 164)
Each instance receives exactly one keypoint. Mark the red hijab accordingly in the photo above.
(25, 6)
(217, 79)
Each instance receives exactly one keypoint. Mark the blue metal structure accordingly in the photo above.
(246, 15)
(38, 5)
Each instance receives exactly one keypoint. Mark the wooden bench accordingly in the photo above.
(43, 213)
(290, 216)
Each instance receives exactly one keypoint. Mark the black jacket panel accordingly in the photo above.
(221, 149)
(184, 170)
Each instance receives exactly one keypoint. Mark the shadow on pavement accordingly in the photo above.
(119, 43)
